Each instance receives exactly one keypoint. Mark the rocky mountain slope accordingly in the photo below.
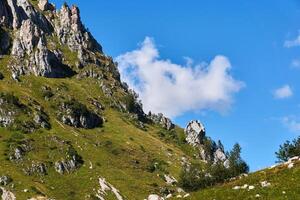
(70, 129)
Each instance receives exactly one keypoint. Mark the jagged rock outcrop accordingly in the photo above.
(160, 119)
(195, 133)
(209, 151)
(30, 42)
(72, 162)
(14, 12)
(75, 114)
(67, 166)
(71, 32)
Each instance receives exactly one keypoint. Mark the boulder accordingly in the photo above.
(6, 195)
(160, 119)
(75, 114)
(5, 180)
(154, 197)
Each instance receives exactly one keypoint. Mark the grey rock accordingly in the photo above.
(67, 166)
(75, 114)
(14, 12)
(36, 168)
(44, 5)
(196, 136)
(26, 39)
(6, 194)
(5, 180)
(72, 33)
(195, 133)
(160, 119)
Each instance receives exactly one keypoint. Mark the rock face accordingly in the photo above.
(195, 133)
(67, 166)
(75, 114)
(209, 151)
(71, 32)
(160, 119)
(14, 12)
(72, 162)
(30, 42)
(30, 48)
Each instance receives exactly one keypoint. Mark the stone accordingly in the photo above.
(26, 39)
(290, 166)
(68, 166)
(107, 187)
(251, 187)
(5, 180)
(75, 114)
(236, 187)
(154, 197)
(160, 119)
(71, 32)
(170, 180)
(6, 195)
(14, 12)
(195, 133)
(44, 5)
(265, 184)
(36, 168)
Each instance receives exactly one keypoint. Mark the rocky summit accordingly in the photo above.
(71, 129)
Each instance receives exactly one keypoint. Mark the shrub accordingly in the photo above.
(194, 177)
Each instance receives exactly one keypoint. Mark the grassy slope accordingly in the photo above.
(112, 149)
(284, 185)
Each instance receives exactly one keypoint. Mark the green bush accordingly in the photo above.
(288, 150)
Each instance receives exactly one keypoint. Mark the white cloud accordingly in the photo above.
(291, 123)
(174, 89)
(292, 43)
(283, 92)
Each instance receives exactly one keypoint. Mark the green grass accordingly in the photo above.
(118, 151)
(284, 186)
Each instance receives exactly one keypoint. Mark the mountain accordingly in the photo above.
(71, 129)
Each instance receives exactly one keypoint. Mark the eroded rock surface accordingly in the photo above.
(75, 114)
(209, 150)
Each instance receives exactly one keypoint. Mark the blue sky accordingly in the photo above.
(250, 34)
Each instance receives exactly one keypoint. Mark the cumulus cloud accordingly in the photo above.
(174, 89)
(291, 123)
(283, 92)
(292, 43)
